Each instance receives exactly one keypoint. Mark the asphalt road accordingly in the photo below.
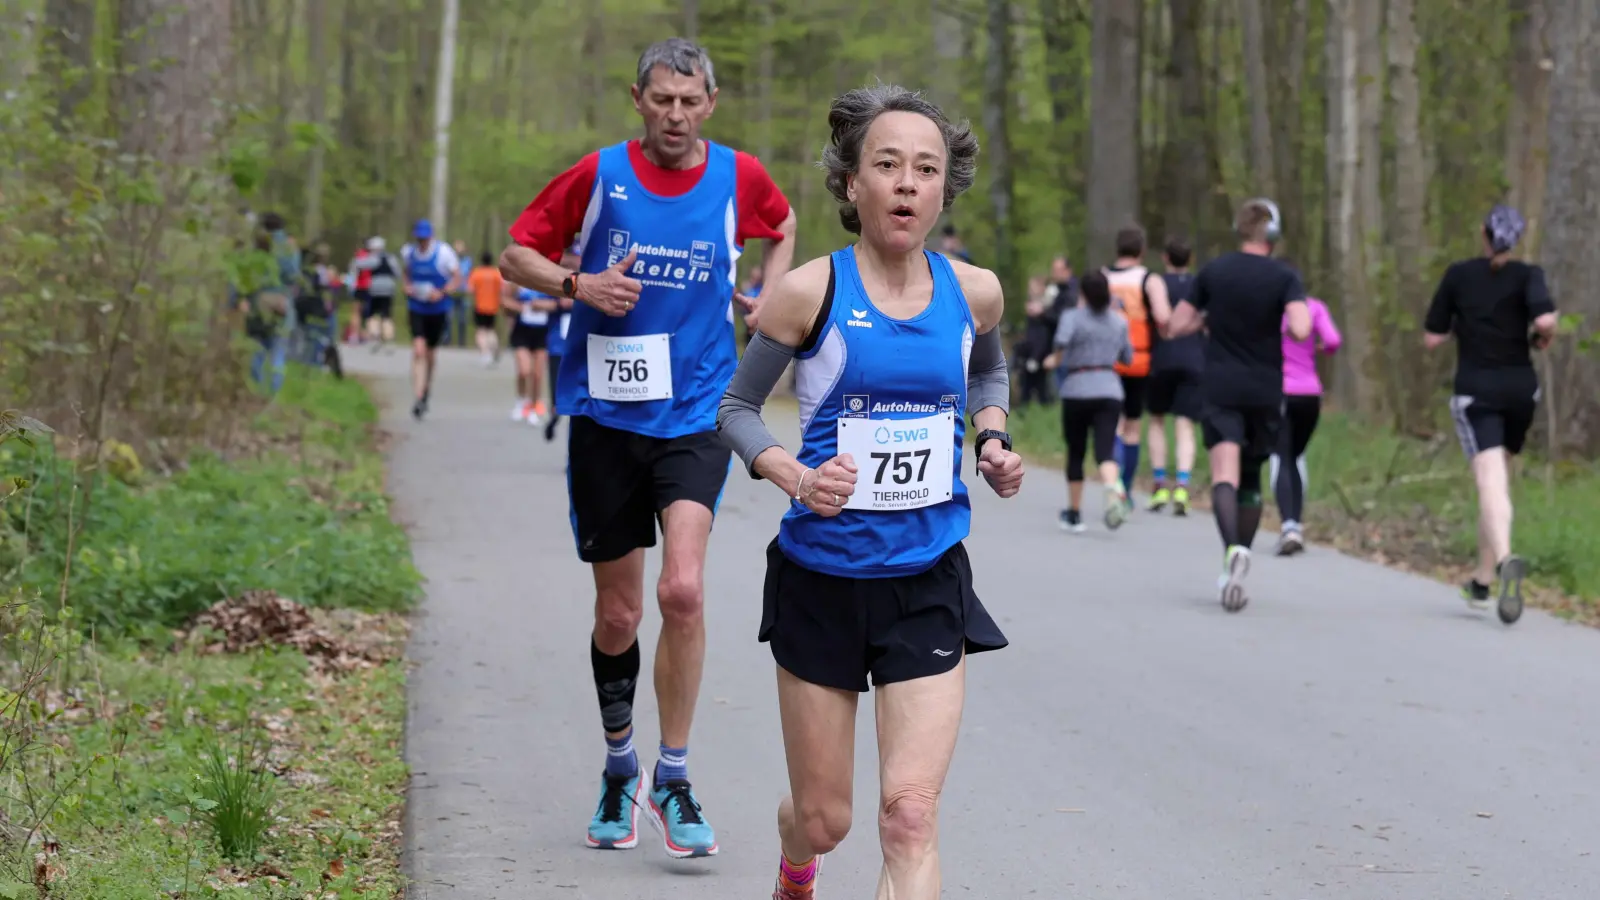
(1355, 733)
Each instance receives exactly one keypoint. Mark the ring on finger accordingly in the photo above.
(838, 501)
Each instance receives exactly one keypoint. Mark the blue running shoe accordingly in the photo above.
(615, 825)
(676, 814)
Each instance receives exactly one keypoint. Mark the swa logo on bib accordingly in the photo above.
(899, 436)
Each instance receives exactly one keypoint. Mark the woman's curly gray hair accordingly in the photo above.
(853, 113)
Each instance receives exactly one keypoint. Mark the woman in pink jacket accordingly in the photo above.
(1302, 406)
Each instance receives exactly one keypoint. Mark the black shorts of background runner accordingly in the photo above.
(1174, 392)
(428, 326)
(1488, 422)
(485, 321)
(620, 482)
(1133, 391)
(1254, 428)
(363, 303)
(1080, 418)
(529, 337)
(835, 632)
(380, 308)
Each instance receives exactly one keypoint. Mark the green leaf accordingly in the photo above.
(15, 890)
(204, 805)
(178, 816)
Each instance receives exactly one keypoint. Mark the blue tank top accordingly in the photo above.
(424, 269)
(869, 367)
(538, 318)
(661, 369)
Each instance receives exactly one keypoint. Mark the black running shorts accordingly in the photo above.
(1253, 428)
(618, 483)
(428, 326)
(1483, 424)
(483, 320)
(529, 337)
(834, 632)
(1133, 388)
(380, 307)
(1174, 392)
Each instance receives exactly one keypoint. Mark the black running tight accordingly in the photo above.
(1300, 415)
(1080, 417)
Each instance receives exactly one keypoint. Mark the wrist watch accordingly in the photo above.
(569, 286)
(990, 434)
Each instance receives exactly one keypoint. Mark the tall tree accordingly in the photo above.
(1572, 206)
(317, 34)
(1261, 177)
(1187, 163)
(175, 53)
(1343, 230)
(1113, 126)
(996, 103)
(1410, 197)
(444, 95)
(1527, 131)
(69, 35)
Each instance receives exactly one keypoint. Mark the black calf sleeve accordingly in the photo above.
(1249, 502)
(615, 678)
(1225, 507)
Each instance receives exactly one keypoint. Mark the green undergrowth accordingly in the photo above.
(1411, 503)
(298, 509)
(142, 758)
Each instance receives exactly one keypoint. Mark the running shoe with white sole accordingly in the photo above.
(1071, 521)
(1116, 507)
(615, 825)
(1476, 593)
(1231, 582)
(1291, 542)
(676, 815)
(1511, 571)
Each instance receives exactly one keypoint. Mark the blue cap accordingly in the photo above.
(423, 229)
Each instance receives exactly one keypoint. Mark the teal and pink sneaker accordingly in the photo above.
(676, 814)
(615, 825)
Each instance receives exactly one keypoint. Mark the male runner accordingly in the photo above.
(1174, 388)
(1244, 297)
(432, 274)
(1498, 309)
(1143, 300)
(660, 223)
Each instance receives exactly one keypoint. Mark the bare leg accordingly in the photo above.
(419, 367)
(819, 736)
(681, 654)
(1156, 437)
(1183, 429)
(1489, 468)
(918, 722)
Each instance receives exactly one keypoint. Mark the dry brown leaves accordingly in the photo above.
(334, 641)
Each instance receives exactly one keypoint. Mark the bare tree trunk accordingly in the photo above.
(316, 32)
(69, 35)
(1261, 179)
(691, 19)
(444, 96)
(949, 39)
(1114, 126)
(1572, 206)
(1186, 161)
(1410, 207)
(1527, 131)
(1289, 191)
(175, 54)
(997, 102)
(1063, 84)
(1344, 154)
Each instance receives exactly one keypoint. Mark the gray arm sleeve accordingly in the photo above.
(988, 379)
(739, 415)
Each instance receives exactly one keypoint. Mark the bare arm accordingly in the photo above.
(1299, 319)
(775, 264)
(1155, 288)
(526, 267)
(1186, 320)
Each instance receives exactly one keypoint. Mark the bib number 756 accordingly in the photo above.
(630, 368)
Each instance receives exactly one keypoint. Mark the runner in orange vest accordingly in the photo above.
(1142, 298)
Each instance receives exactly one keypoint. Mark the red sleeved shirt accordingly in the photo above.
(550, 223)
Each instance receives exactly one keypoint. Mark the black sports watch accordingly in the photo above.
(990, 434)
(569, 286)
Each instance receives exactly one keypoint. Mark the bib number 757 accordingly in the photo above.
(624, 369)
(903, 463)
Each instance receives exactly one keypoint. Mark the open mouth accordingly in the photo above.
(902, 213)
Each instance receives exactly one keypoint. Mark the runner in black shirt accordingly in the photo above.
(1175, 369)
(1244, 297)
(1498, 309)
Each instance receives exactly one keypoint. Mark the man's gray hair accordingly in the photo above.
(852, 114)
(679, 55)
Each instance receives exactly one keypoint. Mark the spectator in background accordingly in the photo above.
(951, 245)
(359, 280)
(1031, 351)
(1062, 294)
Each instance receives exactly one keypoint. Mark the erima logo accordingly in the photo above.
(619, 192)
(900, 407)
(857, 322)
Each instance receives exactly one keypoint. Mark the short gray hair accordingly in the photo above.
(679, 55)
(852, 114)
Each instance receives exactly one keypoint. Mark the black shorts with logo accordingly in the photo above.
(1484, 423)
(1254, 428)
(619, 482)
(1174, 392)
(835, 632)
(428, 326)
